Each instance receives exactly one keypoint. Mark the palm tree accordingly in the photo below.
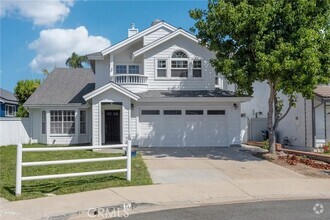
(76, 61)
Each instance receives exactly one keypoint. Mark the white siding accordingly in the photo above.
(102, 72)
(161, 32)
(108, 97)
(164, 51)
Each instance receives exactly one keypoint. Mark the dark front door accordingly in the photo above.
(112, 126)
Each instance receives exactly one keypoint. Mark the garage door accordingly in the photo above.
(183, 128)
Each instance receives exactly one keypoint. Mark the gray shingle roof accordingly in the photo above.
(187, 93)
(64, 86)
(7, 96)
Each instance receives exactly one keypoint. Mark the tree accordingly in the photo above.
(23, 91)
(282, 42)
(76, 61)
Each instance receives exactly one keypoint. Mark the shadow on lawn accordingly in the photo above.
(55, 186)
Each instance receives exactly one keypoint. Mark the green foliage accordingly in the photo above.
(76, 61)
(23, 91)
(266, 145)
(38, 188)
(285, 43)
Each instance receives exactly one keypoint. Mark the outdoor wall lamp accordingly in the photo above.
(235, 106)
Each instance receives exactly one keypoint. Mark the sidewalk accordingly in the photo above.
(165, 196)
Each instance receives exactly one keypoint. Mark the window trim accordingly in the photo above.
(162, 68)
(200, 68)
(13, 110)
(84, 122)
(63, 116)
(43, 122)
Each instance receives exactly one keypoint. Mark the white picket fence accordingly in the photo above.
(14, 131)
(20, 164)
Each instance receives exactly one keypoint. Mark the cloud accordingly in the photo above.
(41, 12)
(54, 46)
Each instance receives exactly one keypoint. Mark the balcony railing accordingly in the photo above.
(129, 79)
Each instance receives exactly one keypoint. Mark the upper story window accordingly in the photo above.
(130, 69)
(10, 110)
(197, 68)
(179, 64)
(121, 69)
(161, 68)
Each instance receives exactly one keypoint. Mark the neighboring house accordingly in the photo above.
(156, 87)
(8, 104)
(307, 125)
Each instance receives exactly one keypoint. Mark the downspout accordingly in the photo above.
(313, 123)
(305, 122)
(325, 122)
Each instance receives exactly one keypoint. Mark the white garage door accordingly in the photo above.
(183, 128)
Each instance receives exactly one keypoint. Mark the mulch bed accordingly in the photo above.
(294, 160)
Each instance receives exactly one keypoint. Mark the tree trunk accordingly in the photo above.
(270, 118)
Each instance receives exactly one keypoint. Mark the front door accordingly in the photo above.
(112, 126)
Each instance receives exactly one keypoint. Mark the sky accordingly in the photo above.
(42, 34)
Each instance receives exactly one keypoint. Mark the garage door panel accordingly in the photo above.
(183, 130)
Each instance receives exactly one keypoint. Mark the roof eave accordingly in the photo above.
(195, 99)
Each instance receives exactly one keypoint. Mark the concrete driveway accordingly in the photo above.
(207, 165)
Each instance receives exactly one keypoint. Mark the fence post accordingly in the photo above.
(129, 158)
(18, 190)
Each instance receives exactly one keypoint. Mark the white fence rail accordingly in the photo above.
(14, 131)
(20, 164)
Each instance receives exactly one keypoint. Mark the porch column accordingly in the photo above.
(77, 125)
(47, 127)
(100, 123)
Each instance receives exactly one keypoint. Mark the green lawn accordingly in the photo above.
(38, 188)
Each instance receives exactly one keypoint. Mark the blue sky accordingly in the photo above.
(40, 34)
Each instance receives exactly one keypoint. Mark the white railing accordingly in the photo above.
(129, 79)
(20, 164)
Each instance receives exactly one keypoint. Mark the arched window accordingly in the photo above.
(179, 54)
(179, 64)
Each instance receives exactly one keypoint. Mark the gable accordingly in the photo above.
(159, 33)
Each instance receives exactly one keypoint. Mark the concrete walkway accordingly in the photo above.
(230, 184)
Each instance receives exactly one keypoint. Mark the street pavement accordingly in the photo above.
(272, 210)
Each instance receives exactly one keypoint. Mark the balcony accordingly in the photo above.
(133, 82)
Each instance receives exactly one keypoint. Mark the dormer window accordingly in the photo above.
(179, 64)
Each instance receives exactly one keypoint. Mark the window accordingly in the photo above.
(133, 69)
(197, 68)
(43, 122)
(150, 112)
(62, 122)
(161, 68)
(179, 68)
(172, 112)
(179, 54)
(194, 112)
(121, 69)
(179, 64)
(10, 110)
(216, 112)
(82, 122)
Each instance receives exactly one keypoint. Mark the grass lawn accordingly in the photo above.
(38, 188)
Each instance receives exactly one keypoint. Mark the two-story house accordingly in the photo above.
(156, 87)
